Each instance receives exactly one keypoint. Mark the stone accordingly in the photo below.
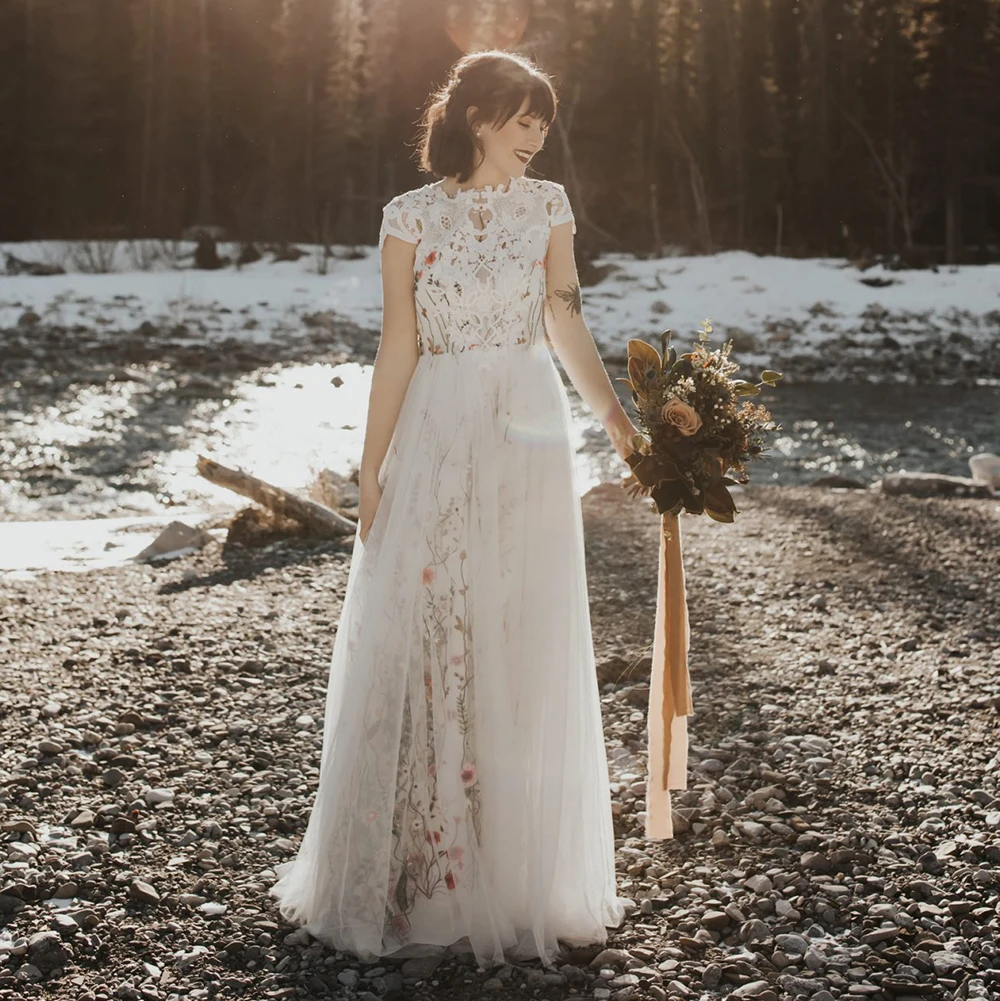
(715, 920)
(176, 539)
(792, 944)
(678, 989)
(755, 930)
(64, 924)
(711, 976)
(880, 935)
(85, 818)
(610, 957)
(143, 892)
(752, 989)
(816, 861)
(47, 951)
(985, 468)
(624, 980)
(420, 967)
(946, 963)
(349, 978)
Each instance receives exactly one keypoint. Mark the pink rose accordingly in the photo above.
(682, 416)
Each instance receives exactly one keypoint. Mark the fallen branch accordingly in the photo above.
(318, 518)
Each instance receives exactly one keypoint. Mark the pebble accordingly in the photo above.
(715, 920)
(947, 963)
(752, 989)
(610, 957)
(143, 892)
(833, 816)
(792, 944)
(155, 796)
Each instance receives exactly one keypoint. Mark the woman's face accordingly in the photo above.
(511, 147)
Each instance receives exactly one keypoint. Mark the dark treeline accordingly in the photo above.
(788, 126)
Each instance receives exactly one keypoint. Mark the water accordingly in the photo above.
(125, 447)
(864, 431)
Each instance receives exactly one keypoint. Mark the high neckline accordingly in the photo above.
(485, 191)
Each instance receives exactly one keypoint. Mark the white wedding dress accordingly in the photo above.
(463, 795)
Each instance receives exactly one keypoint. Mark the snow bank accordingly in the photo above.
(812, 319)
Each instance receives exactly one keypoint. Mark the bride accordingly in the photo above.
(463, 799)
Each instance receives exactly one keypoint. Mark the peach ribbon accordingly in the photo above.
(669, 686)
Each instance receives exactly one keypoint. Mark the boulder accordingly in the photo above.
(177, 539)
(985, 468)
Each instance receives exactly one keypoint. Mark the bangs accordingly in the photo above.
(541, 103)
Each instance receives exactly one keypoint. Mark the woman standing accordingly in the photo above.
(463, 796)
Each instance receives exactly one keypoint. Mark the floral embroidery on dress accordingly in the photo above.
(477, 287)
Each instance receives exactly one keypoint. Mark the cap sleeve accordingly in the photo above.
(557, 205)
(400, 219)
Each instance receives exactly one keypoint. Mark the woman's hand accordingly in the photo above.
(622, 434)
(370, 496)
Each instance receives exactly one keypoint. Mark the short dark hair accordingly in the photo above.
(496, 84)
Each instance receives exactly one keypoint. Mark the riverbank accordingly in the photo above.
(100, 423)
(159, 730)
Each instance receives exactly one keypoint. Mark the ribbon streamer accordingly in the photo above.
(669, 686)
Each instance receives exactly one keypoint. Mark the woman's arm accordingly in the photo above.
(394, 364)
(574, 343)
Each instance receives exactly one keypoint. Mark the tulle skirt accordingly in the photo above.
(463, 795)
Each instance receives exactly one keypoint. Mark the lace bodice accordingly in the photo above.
(479, 266)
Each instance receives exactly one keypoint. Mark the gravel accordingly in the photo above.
(160, 729)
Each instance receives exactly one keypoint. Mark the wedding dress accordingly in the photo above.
(463, 794)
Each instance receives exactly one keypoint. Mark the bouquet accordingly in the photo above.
(696, 436)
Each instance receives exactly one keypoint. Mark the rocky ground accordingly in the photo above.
(840, 836)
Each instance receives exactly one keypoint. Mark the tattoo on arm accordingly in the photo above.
(571, 296)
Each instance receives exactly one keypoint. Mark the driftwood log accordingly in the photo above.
(934, 485)
(318, 518)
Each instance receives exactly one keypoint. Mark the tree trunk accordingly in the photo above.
(206, 199)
